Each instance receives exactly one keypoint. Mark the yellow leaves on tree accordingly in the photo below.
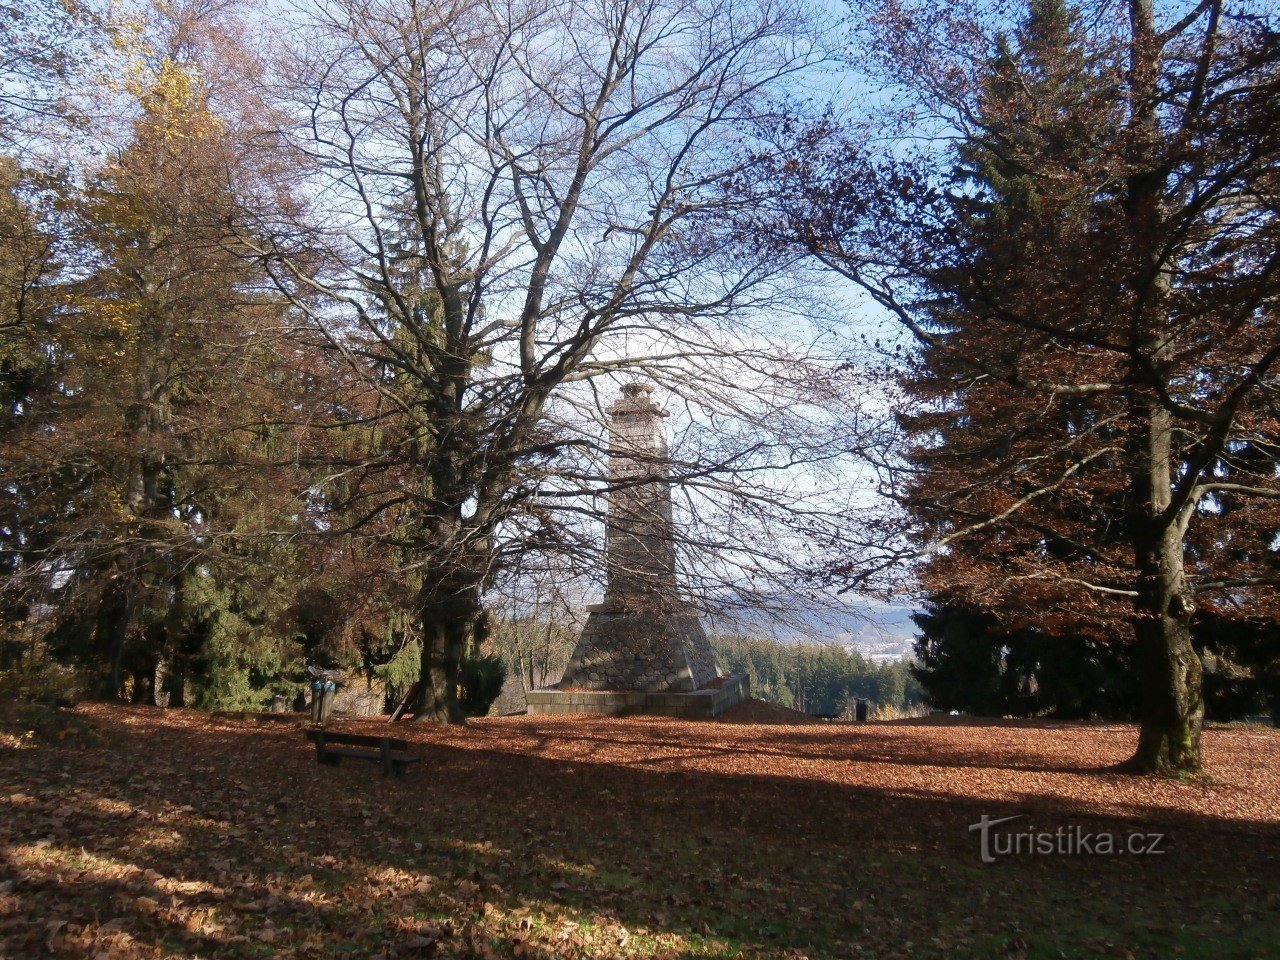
(175, 103)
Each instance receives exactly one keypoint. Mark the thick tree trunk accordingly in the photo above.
(115, 611)
(1169, 667)
(1172, 702)
(1171, 670)
(1271, 680)
(449, 615)
(171, 680)
(144, 684)
(162, 686)
(175, 685)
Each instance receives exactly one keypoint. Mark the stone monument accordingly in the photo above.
(643, 650)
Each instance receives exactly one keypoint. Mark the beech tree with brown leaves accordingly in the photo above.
(1091, 277)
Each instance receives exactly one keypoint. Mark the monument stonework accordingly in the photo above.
(643, 650)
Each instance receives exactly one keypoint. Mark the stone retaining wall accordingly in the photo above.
(693, 705)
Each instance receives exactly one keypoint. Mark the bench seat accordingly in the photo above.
(359, 754)
(392, 753)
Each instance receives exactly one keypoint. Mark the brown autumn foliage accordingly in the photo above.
(1090, 277)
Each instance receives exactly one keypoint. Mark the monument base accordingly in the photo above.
(658, 648)
(709, 701)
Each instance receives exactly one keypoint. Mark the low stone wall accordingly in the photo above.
(693, 705)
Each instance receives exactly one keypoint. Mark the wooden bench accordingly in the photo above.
(393, 754)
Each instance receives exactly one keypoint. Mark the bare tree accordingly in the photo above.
(535, 626)
(46, 51)
(517, 206)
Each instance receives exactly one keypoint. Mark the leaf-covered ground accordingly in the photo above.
(141, 833)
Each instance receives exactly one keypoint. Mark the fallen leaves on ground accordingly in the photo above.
(177, 834)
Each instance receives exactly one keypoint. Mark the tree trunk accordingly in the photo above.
(144, 683)
(1172, 702)
(449, 615)
(176, 648)
(1171, 670)
(115, 611)
(1169, 667)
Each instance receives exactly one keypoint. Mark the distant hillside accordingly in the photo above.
(880, 632)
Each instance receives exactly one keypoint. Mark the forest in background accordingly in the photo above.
(824, 679)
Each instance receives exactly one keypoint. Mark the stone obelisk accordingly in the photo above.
(643, 636)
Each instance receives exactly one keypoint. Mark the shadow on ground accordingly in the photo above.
(177, 835)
